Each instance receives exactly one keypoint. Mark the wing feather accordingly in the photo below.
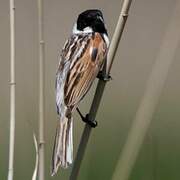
(71, 52)
(85, 70)
(80, 62)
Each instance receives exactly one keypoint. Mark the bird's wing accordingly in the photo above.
(71, 52)
(84, 67)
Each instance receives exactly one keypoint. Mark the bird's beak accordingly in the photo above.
(101, 19)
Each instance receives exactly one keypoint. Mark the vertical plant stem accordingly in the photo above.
(12, 91)
(100, 88)
(150, 99)
(41, 91)
(117, 34)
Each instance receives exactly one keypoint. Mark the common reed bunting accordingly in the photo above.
(81, 60)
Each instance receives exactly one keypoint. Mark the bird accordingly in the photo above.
(81, 59)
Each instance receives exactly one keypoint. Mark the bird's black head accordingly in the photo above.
(93, 19)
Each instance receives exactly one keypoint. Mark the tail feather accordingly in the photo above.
(63, 145)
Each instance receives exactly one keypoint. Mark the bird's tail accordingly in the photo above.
(63, 145)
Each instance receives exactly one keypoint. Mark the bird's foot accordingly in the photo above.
(86, 119)
(103, 77)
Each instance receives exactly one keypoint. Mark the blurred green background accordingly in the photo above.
(159, 158)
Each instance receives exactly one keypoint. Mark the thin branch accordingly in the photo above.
(41, 91)
(150, 99)
(100, 88)
(12, 91)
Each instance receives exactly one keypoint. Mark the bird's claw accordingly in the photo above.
(86, 119)
(103, 77)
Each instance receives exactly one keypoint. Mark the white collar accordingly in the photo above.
(88, 30)
(85, 30)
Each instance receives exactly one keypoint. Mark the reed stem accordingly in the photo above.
(12, 91)
(100, 88)
(41, 170)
